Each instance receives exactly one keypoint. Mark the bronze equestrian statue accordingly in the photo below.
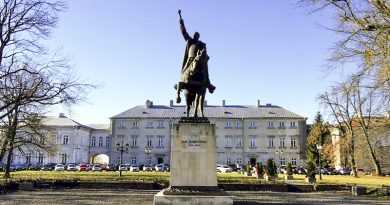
(194, 73)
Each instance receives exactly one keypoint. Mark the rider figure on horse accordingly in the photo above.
(194, 74)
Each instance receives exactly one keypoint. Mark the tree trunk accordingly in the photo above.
(3, 148)
(352, 154)
(372, 153)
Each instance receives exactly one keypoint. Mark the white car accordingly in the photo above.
(147, 168)
(159, 168)
(96, 167)
(123, 167)
(59, 167)
(223, 168)
(71, 167)
(134, 168)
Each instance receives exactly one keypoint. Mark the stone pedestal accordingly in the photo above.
(193, 168)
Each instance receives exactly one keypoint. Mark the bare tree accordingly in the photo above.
(343, 114)
(31, 76)
(363, 28)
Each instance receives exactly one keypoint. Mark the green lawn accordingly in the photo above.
(163, 177)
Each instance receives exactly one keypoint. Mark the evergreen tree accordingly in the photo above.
(317, 136)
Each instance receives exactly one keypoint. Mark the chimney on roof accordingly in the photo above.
(223, 103)
(149, 104)
(258, 103)
(171, 103)
(61, 115)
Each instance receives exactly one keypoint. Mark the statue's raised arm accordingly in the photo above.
(183, 28)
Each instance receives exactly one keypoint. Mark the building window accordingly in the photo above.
(100, 141)
(292, 124)
(281, 125)
(238, 161)
(121, 124)
(282, 161)
(293, 142)
(148, 160)
(228, 141)
(149, 141)
(107, 141)
(64, 158)
(93, 141)
(252, 125)
(239, 124)
(28, 158)
(135, 124)
(228, 124)
(40, 158)
(149, 124)
(228, 160)
(160, 141)
(65, 139)
(270, 124)
(294, 161)
(134, 160)
(239, 142)
(120, 139)
(282, 142)
(252, 142)
(271, 141)
(160, 124)
(133, 141)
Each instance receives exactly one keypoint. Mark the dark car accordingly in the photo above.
(328, 171)
(35, 167)
(233, 167)
(111, 167)
(21, 167)
(167, 167)
(48, 167)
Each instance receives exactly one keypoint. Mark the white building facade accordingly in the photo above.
(243, 134)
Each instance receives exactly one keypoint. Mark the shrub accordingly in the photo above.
(270, 167)
(248, 167)
(289, 169)
(259, 168)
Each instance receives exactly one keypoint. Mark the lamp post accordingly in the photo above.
(121, 148)
(148, 151)
(319, 147)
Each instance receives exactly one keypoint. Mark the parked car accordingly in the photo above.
(90, 166)
(300, 170)
(134, 168)
(12, 167)
(35, 167)
(71, 167)
(48, 167)
(345, 171)
(21, 167)
(328, 171)
(59, 167)
(96, 167)
(167, 167)
(282, 169)
(147, 168)
(82, 167)
(111, 167)
(233, 167)
(223, 168)
(159, 167)
(123, 167)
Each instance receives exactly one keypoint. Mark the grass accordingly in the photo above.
(163, 177)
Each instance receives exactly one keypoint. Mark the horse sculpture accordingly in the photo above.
(195, 84)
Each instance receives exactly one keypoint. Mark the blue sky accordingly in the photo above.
(271, 51)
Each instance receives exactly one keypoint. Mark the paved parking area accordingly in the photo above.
(145, 197)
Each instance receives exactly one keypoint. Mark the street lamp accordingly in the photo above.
(319, 147)
(121, 148)
(148, 151)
